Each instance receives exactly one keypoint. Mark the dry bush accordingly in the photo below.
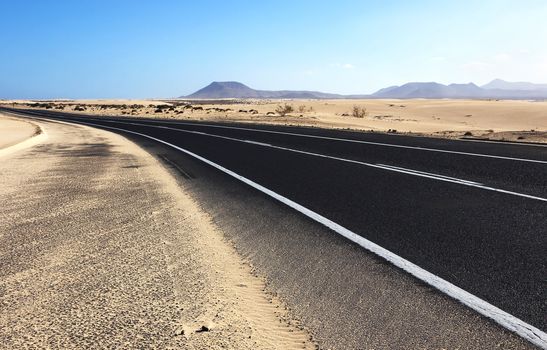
(284, 110)
(358, 112)
(302, 108)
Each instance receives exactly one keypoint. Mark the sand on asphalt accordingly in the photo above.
(100, 247)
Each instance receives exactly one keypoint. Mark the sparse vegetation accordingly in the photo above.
(358, 112)
(302, 108)
(468, 133)
(283, 110)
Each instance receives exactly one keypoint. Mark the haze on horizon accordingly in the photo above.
(125, 49)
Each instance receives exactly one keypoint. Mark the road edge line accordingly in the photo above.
(504, 319)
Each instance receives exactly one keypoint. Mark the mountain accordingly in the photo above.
(430, 90)
(386, 90)
(498, 84)
(234, 89)
(496, 89)
(225, 89)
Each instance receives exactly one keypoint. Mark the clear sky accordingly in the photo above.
(138, 49)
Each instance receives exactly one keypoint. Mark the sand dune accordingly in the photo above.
(14, 131)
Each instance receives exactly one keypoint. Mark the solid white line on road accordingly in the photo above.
(431, 174)
(363, 142)
(355, 141)
(510, 322)
(378, 166)
(358, 141)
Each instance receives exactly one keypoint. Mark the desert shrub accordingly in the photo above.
(358, 112)
(302, 108)
(79, 108)
(283, 110)
(468, 133)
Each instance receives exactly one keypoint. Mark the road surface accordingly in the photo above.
(472, 213)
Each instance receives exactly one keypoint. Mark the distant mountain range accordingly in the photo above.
(233, 89)
(497, 88)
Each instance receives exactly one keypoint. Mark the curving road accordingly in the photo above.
(473, 214)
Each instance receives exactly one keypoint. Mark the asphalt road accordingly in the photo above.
(472, 213)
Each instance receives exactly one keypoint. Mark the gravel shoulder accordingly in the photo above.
(101, 248)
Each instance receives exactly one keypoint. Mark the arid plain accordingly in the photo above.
(511, 120)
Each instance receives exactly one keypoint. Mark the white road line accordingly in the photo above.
(510, 322)
(378, 166)
(431, 174)
(511, 143)
(364, 142)
(357, 141)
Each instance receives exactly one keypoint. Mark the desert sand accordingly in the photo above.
(117, 255)
(513, 120)
(14, 131)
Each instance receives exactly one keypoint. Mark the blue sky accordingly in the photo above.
(139, 49)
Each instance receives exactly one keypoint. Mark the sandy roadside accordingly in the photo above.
(14, 131)
(100, 247)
